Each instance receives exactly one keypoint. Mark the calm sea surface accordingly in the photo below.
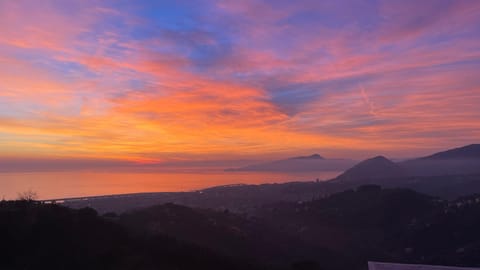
(50, 185)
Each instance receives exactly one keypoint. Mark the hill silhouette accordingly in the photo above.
(375, 168)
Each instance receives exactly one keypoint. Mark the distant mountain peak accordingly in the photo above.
(373, 168)
(377, 161)
(314, 156)
(471, 151)
(378, 158)
(310, 163)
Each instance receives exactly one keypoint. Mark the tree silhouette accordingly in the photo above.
(28, 195)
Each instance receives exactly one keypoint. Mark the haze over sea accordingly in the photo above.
(51, 185)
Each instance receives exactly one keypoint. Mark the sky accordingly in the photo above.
(95, 82)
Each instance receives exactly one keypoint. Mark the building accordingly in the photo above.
(398, 266)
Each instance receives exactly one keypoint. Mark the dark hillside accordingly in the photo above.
(339, 232)
(39, 236)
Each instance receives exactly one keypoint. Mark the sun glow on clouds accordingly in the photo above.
(197, 79)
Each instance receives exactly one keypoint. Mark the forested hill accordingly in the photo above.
(342, 231)
(42, 236)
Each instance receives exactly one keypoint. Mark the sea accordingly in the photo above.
(69, 184)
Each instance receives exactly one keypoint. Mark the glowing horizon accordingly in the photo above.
(191, 80)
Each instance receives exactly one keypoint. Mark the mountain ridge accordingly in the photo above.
(471, 151)
(460, 160)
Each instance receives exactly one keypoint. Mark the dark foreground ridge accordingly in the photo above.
(342, 231)
(49, 236)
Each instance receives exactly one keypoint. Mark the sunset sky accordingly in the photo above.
(160, 81)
